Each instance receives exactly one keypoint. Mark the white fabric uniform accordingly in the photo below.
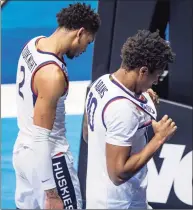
(29, 194)
(115, 116)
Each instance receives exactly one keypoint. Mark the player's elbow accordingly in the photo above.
(115, 176)
(116, 180)
(118, 176)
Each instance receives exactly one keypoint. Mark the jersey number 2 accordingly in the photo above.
(91, 108)
(22, 82)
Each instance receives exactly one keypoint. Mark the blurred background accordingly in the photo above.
(170, 171)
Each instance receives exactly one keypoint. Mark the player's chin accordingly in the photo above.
(70, 56)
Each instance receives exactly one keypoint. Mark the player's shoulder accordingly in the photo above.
(121, 103)
(50, 81)
(120, 107)
(50, 72)
(120, 110)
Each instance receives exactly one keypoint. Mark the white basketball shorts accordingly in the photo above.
(30, 195)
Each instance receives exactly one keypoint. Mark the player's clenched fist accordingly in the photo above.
(164, 128)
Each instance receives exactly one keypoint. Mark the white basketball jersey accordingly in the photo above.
(30, 61)
(105, 93)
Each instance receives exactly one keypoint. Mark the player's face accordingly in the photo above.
(80, 44)
(146, 79)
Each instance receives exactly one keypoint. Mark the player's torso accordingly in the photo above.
(30, 61)
(104, 91)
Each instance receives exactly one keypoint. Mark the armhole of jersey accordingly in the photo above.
(146, 124)
(107, 104)
(42, 65)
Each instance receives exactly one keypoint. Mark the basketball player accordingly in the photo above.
(119, 110)
(45, 177)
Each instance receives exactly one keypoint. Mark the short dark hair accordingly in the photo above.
(79, 15)
(146, 49)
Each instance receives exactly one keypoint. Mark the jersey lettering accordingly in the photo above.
(27, 56)
(101, 88)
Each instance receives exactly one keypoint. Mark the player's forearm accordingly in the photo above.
(137, 161)
(42, 156)
(43, 124)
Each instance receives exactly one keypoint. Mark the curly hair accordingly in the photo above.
(79, 15)
(146, 49)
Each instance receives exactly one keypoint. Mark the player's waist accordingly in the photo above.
(56, 139)
(24, 136)
(56, 132)
(101, 177)
(123, 194)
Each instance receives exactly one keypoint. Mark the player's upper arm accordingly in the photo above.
(49, 84)
(85, 123)
(85, 127)
(122, 123)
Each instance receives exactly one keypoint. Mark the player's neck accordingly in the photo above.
(126, 78)
(53, 44)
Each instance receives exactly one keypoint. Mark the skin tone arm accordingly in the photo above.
(85, 123)
(121, 166)
(49, 83)
(85, 127)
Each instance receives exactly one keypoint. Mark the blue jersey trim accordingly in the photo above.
(107, 104)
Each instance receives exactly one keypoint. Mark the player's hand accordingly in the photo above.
(164, 128)
(154, 96)
(53, 200)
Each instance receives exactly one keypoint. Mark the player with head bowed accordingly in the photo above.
(45, 176)
(119, 108)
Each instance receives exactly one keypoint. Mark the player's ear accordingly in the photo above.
(143, 71)
(80, 33)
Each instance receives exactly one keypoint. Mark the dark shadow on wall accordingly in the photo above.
(159, 21)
